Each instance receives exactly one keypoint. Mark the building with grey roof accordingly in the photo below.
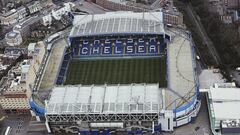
(117, 22)
(9, 18)
(22, 12)
(223, 101)
(34, 7)
(13, 38)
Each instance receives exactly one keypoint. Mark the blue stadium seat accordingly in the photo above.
(118, 42)
(153, 41)
(59, 81)
(76, 50)
(162, 47)
(67, 56)
(85, 42)
(62, 72)
(96, 41)
(130, 42)
(64, 64)
(107, 42)
(141, 42)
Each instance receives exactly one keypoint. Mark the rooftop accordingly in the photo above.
(118, 22)
(31, 46)
(134, 98)
(14, 51)
(26, 23)
(6, 14)
(33, 3)
(224, 102)
(22, 7)
(25, 65)
(14, 103)
(12, 34)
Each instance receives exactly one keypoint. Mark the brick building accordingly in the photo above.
(173, 17)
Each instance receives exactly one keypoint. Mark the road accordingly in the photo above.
(206, 40)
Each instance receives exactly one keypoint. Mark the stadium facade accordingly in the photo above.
(135, 108)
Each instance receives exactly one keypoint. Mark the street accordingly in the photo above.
(204, 35)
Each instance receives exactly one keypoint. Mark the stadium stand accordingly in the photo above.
(137, 45)
(118, 34)
(64, 67)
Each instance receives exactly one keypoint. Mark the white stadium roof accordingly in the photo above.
(224, 103)
(118, 22)
(135, 98)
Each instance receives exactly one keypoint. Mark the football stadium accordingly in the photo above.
(124, 72)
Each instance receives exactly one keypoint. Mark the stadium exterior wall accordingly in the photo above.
(184, 109)
(40, 111)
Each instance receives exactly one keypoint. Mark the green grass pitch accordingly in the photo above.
(114, 71)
